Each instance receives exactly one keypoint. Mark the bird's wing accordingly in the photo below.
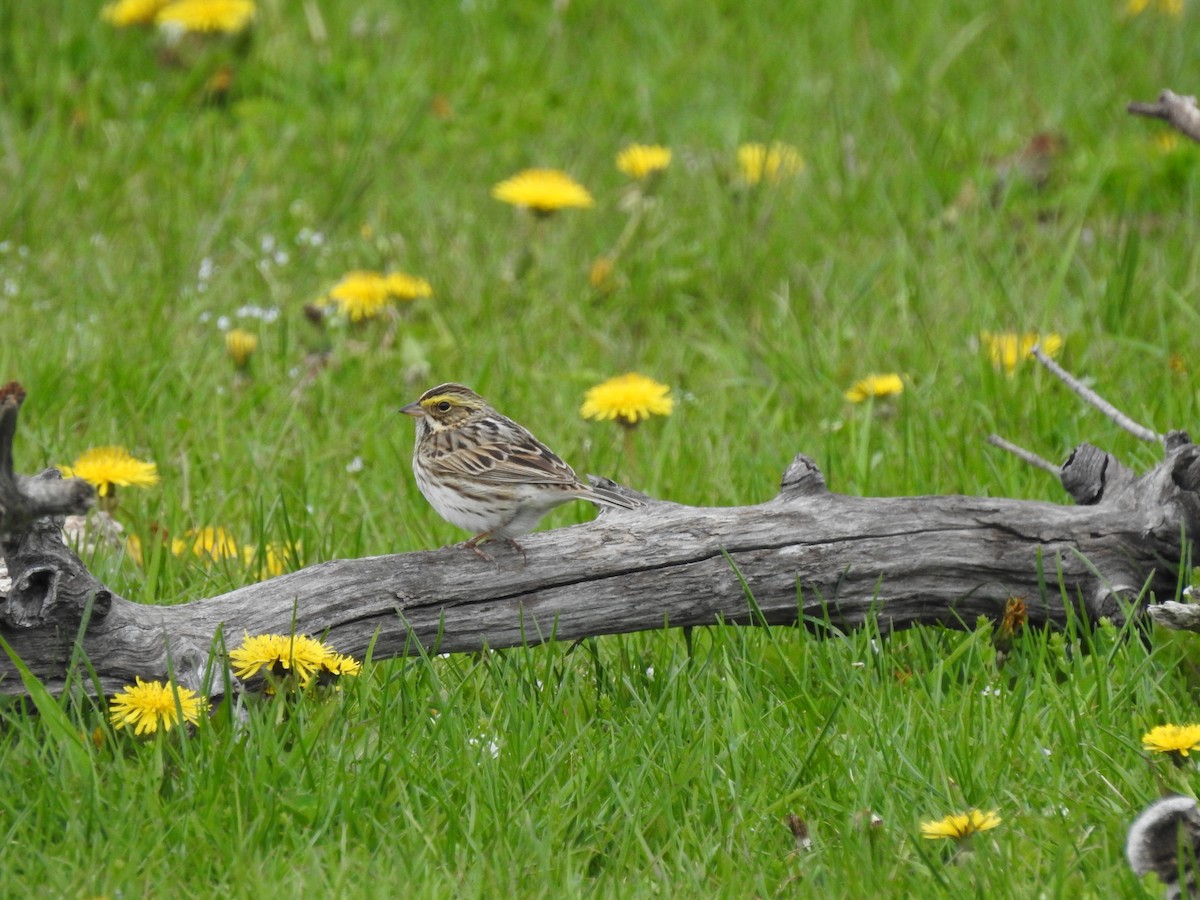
(504, 462)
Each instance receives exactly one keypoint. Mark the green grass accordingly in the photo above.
(135, 219)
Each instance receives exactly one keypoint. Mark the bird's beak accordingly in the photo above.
(413, 409)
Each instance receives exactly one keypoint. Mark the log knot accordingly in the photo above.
(1092, 476)
(50, 584)
(1184, 458)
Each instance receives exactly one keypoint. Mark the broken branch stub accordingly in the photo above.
(24, 500)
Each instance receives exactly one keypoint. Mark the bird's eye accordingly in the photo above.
(444, 406)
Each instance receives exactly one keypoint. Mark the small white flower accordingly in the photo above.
(355, 465)
(266, 314)
(223, 323)
(492, 748)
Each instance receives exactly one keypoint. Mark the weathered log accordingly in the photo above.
(828, 560)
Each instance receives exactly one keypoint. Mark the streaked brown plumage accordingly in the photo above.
(485, 473)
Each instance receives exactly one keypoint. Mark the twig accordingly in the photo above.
(1181, 112)
(1021, 453)
(1087, 395)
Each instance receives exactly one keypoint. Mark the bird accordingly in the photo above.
(484, 473)
(1164, 836)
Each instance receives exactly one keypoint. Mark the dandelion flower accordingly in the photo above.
(1171, 8)
(1015, 616)
(773, 163)
(342, 664)
(240, 344)
(148, 705)
(1165, 141)
(361, 295)
(269, 560)
(640, 161)
(209, 543)
(875, 386)
(600, 275)
(1177, 739)
(628, 399)
(124, 13)
(543, 190)
(211, 16)
(279, 654)
(108, 468)
(960, 825)
(1006, 349)
(407, 287)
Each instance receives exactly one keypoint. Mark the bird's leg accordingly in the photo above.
(474, 543)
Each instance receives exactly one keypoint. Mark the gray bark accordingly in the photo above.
(827, 560)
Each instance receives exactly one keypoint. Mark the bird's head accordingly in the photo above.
(445, 407)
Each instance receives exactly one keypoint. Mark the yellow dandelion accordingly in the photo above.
(133, 549)
(960, 825)
(1171, 8)
(628, 399)
(772, 164)
(407, 287)
(108, 468)
(342, 664)
(1178, 739)
(124, 13)
(543, 190)
(208, 543)
(299, 655)
(875, 386)
(149, 705)
(1165, 141)
(240, 345)
(270, 560)
(212, 16)
(1015, 616)
(1006, 349)
(279, 654)
(361, 295)
(600, 275)
(640, 161)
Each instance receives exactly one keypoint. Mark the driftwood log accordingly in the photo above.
(811, 556)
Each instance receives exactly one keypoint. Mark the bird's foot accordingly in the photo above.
(474, 543)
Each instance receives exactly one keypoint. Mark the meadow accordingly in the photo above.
(967, 169)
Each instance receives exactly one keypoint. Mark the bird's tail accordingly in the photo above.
(607, 496)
